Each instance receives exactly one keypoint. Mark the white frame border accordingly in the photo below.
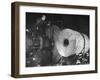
(54, 69)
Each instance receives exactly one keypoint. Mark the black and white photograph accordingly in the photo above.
(57, 39)
(51, 39)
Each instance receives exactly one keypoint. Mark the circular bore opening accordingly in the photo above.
(66, 42)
